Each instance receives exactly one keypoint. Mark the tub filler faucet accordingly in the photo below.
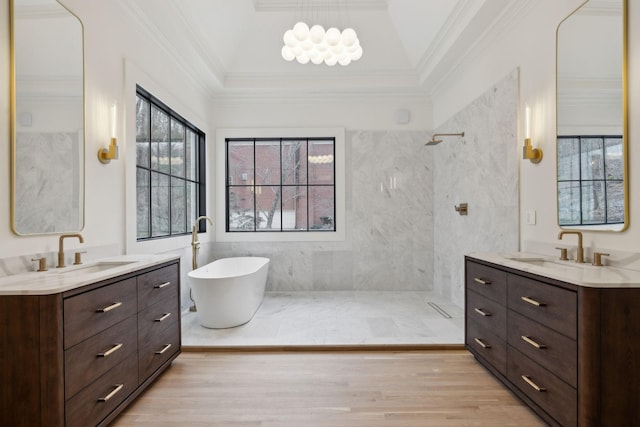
(195, 243)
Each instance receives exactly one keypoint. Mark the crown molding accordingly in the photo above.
(301, 5)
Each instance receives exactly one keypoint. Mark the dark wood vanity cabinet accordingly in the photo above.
(571, 353)
(77, 358)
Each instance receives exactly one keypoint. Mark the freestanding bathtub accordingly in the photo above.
(229, 291)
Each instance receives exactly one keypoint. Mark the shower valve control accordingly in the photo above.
(462, 209)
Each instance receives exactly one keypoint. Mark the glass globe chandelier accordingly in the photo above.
(316, 45)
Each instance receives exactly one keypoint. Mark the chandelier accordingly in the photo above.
(316, 45)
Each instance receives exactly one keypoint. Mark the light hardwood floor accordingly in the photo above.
(327, 389)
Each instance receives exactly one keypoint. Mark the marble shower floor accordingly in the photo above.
(337, 318)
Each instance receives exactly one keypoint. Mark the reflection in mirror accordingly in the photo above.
(591, 117)
(47, 192)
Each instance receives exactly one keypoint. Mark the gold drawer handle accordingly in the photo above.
(160, 319)
(482, 281)
(532, 342)
(481, 312)
(163, 285)
(483, 345)
(109, 308)
(113, 393)
(166, 347)
(535, 386)
(532, 301)
(112, 350)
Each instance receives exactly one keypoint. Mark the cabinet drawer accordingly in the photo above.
(552, 350)
(487, 281)
(488, 346)
(157, 317)
(546, 304)
(162, 345)
(93, 357)
(94, 311)
(95, 402)
(157, 284)
(554, 396)
(487, 313)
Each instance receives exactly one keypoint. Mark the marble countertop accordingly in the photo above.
(56, 280)
(586, 275)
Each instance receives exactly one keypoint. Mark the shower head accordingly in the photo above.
(435, 141)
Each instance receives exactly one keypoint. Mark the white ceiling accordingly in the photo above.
(232, 47)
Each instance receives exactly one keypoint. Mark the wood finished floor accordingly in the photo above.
(327, 389)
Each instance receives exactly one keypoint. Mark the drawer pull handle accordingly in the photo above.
(533, 302)
(482, 281)
(481, 312)
(112, 350)
(109, 308)
(483, 345)
(532, 342)
(535, 386)
(163, 285)
(113, 393)
(166, 347)
(160, 319)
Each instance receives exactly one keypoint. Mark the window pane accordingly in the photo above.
(320, 162)
(614, 162)
(142, 199)
(159, 140)
(177, 148)
(142, 132)
(568, 203)
(615, 202)
(568, 159)
(294, 164)
(294, 208)
(321, 208)
(178, 206)
(268, 162)
(593, 207)
(159, 204)
(241, 209)
(592, 158)
(192, 203)
(240, 163)
(268, 199)
(191, 159)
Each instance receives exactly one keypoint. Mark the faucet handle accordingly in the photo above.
(597, 258)
(78, 257)
(42, 263)
(563, 254)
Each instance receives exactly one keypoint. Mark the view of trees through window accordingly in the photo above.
(280, 184)
(590, 180)
(169, 175)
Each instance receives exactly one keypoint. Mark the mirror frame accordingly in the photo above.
(13, 126)
(625, 131)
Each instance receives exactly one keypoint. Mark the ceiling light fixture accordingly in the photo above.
(316, 45)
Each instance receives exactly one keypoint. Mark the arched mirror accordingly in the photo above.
(592, 117)
(47, 118)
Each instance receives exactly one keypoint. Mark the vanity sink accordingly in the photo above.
(96, 267)
(546, 263)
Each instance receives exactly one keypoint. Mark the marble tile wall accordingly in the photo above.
(480, 169)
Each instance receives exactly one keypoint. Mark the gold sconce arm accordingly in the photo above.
(105, 155)
(530, 153)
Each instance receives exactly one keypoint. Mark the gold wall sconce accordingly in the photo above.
(534, 155)
(105, 155)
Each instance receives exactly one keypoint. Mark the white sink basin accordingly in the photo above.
(95, 267)
(541, 262)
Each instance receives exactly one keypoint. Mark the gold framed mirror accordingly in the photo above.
(591, 122)
(47, 118)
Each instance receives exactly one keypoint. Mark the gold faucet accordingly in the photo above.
(580, 249)
(195, 243)
(61, 247)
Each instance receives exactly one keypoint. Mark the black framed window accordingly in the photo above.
(170, 170)
(590, 180)
(280, 184)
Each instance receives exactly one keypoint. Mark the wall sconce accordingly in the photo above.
(105, 155)
(528, 152)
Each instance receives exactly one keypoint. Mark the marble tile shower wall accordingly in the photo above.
(389, 245)
(480, 169)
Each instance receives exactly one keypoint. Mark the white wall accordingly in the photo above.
(529, 43)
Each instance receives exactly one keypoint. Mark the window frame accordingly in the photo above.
(340, 218)
(200, 174)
